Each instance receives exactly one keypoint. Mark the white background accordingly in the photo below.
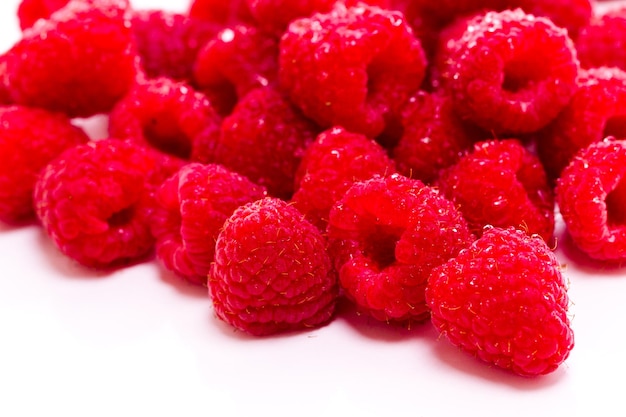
(75, 342)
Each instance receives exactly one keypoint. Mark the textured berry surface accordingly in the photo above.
(330, 165)
(190, 210)
(512, 72)
(65, 64)
(29, 11)
(271, 271)
(504, 300)
(601, 42)
(591, 194)
(92, 202)
(351, 67)
(29, 139)
(386, 235)
(500, 183)
(227, 13)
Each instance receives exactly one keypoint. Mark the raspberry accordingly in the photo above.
(29, 11)
(274, 16)
(271, 271)
(264, 139)
(601, 42)
(351, 67)
(330, 165)
(190, 210)
(238, 60)
(500, 183)
(29, 140)
(92, 202)
(169, 42)
(512, 72)
(504, 300)
(600, 102)
(220, 11)
(165, 115)
(591, 194)
(5, 94)
(386, 235)
(433, 137)
(572, 15)
(66, 63)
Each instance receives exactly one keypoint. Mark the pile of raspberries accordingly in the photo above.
(409, 156)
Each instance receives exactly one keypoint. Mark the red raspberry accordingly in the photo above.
(238, 60)
(5, 93)
(512, 72)
(271, 271)
(433, 137)
(600, 103)
(504, 300)
(274, 16)
(29, 11)
(92, 202)
(220, 11)
(386, 235)
(190, 210)
(352, 67)
(169, 42)
(572, 15)
(330, 165)
(29, 140)
(591, 195)
(500, 183)
(167, 116)
(601, 42)
(66, 63)
(264, 139)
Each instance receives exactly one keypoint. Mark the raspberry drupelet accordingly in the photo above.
(504, 300)
(271, 272)
(190, 209)
(591, 194)
(601, 42)
(352, 67)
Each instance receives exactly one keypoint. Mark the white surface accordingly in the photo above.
(139, 342)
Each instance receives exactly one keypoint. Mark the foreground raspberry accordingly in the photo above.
(500, 183)
(91, 201)
(351, 67)
(601, 42)
(79, 62)
(591, 194)
(29, 140)
(504, 300)
(512, 72)
(386, 235)
(271, 271)
(190, 210)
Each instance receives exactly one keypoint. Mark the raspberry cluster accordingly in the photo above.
(409, 157)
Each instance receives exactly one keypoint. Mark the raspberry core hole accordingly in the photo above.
(616, 127)
(163, 132)
(616, 205)
(521, 74)
(121, 218)
(381, 246)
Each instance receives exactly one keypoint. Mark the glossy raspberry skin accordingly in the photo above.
(500, 183)
(601, 42)
(597, 110)
(351, 67)
(336, 160)
(386, 234)
(512, 72)
(591, 194)
(226, 13)
(92, 202)
(65, 63)
(190, 210)
(264, 139)
(29, 139)
(504, 300)
(29, 11)
(271, 271)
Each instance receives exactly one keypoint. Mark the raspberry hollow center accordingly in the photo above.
(381, 246)
(616, 205)
(615, 126)
(164, 133)
(522, 74)
(121, 218)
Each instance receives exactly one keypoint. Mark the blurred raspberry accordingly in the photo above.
(225, 13)
(601, 42)
(273, 16)
(29, 11)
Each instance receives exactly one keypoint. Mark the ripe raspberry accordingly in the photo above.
(29, 140)
(601, 42)
(29, 11)
(238, 60)
(274, 16)
(5, 94)
(433, 137)
(500, 183)
(591, 195)
(190, 210)
(352, 67)
(572, 15)
(330, 165)
(504, 300)
(271, 271)
(512, 72)
(386, 235)
(222, 12)
(92, 202)
(167, 116)
(66, 63)
(264, 139)
(168, 43)
(600, 103)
